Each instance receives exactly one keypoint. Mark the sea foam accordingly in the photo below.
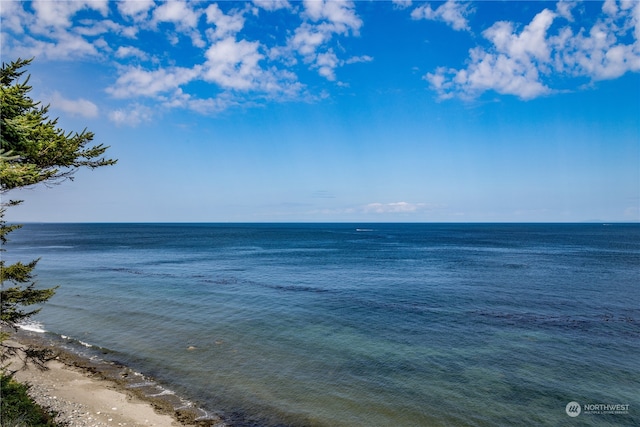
(33, 327)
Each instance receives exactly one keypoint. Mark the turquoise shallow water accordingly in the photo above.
(357, 325)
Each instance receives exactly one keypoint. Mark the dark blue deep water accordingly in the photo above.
(358, 324)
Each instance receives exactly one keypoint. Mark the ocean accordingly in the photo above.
(356, 324)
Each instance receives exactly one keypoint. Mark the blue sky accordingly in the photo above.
(319, 111)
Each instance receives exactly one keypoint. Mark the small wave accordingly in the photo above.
(82, 343)
(186, 405)
(142, 384)
(33, 327)
(360, 230)
(164, 392)
(206, 416)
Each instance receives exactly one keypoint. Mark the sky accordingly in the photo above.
(338, 111)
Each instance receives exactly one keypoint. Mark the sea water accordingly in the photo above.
(358, 324)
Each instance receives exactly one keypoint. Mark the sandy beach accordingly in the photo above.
(83, 397)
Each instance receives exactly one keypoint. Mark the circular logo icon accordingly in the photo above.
(573, 409)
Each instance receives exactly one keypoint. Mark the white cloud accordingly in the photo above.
(136, 9)
(77, 107)
(272, 4)
(79, 29)
(203, 106)
(402, 4)
(177, 12)
(453, 13)
(498, 72)
(563, 8)
(396, 207)
(13, 17)
(233, 64)
(131, 52)
(226, 25)
(282, 84)
(326, 63)
(340, 14)
(531, 43)
(599, 54)
(93, 27)
(132, 116)
(184, 18)
(67, 46)
(510, 67)
(328, 18)
(524, 64)
(236, 65)
(307, 38)
(47, 33)
(71, 45)
(59, 13)
(356, 59)
(138, 82)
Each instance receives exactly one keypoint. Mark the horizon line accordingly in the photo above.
(604, 222)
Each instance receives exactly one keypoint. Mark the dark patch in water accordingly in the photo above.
(222, 281)
(570, 322)
(294, 288)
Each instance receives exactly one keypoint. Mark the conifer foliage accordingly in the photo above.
(33, 150)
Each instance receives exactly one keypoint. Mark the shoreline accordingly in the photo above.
(92, 392)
